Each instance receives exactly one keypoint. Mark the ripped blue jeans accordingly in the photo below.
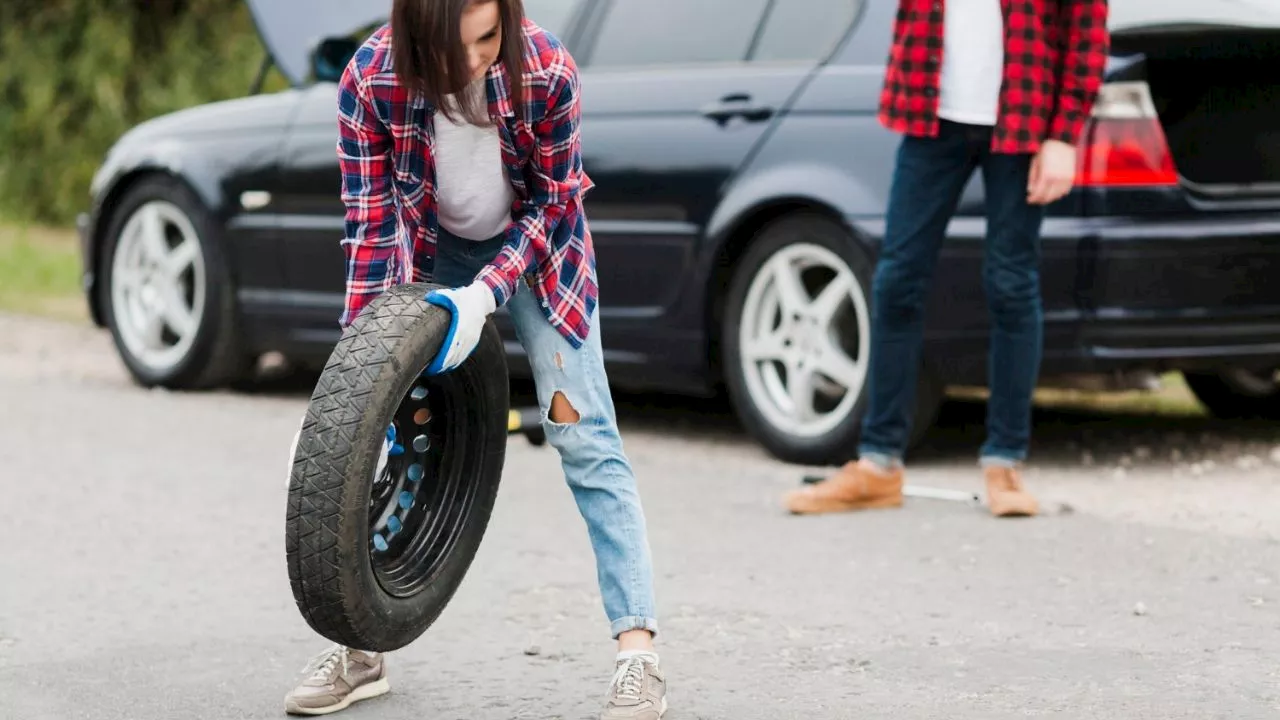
(595, 466)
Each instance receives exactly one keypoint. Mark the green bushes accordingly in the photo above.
(76, 74)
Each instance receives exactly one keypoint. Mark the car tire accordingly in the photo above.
(162, 263)
(349, 586)
(1237, 394)
(812, 242)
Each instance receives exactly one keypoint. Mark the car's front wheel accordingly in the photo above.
(797, 341)
(165, 290)
(1238, 393)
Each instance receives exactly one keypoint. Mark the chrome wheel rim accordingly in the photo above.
(805, 340)
(158, 285)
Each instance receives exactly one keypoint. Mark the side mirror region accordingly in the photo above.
(330, 58)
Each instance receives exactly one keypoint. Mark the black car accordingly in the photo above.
(741, 174)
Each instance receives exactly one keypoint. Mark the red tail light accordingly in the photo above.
(1124, 144)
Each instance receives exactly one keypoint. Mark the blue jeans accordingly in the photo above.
(930, 175)
(595, 466)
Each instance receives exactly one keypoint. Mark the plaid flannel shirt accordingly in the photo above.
(1055, 52)
(386, 136)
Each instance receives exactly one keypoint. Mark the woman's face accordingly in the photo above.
(481, 36)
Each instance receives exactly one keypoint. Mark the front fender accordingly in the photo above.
(172, 156)
(214, 166)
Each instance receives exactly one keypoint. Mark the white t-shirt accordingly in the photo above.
(472, 189)
(972, 62)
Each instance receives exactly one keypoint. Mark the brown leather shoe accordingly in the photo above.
(1006, 497)
(854, 487)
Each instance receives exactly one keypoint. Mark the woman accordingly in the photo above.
(459, 148)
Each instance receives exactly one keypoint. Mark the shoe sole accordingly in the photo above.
(1016, 513)
(819, 507)
(364, 692)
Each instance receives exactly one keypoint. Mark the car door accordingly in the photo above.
(311, 216)
(672, 108)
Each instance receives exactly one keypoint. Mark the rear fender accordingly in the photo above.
(759, 199)
(797, 186)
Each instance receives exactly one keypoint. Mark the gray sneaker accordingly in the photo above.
(638, 690)
(338, 677)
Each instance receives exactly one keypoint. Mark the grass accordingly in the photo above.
(40, 272)
(1172, 399)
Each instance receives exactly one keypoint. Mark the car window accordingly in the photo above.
(552, 15)
(804, 29)
(676, 32)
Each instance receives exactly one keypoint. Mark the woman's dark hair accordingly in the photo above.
(429, 58)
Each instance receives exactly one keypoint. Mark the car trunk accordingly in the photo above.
(1217, 94)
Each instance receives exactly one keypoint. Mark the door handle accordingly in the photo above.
(736, 105)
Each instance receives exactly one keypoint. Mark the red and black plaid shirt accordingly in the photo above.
(386, 153)
(1055, 52)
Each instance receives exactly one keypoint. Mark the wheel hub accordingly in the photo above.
(415, 513)
(805, 335)
(805, 339)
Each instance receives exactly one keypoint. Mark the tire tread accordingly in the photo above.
(364, 370)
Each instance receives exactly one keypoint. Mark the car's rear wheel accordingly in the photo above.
(1238, 393)
(166, 292)
(394, 474)
(797, 340)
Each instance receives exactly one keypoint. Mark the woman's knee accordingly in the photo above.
(579, 428)
(561, 411)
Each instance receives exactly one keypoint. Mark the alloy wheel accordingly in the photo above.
(805, 339)
(158, 285)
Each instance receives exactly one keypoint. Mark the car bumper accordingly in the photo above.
(1200, 291)
(88, 276)
(1187, 292)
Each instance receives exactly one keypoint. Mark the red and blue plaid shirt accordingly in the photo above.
(385, 151)
(1055, 52)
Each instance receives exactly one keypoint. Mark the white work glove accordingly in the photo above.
(470, 307)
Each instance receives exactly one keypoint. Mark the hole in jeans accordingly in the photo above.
(562, 412)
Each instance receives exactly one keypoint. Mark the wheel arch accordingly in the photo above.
(109, 205)
(734, 240)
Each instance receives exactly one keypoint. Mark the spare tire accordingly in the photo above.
(394, 475)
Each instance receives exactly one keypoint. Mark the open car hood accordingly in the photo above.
(291, 28)
(1131, 17)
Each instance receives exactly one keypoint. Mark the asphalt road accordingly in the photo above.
(142, 571)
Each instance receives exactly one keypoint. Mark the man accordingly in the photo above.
(1001, 85)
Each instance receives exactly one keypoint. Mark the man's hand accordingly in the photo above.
(470, 306)
(1053, 172)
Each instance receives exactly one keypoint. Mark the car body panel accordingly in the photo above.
(1165, 16)
(1117, 287)
(219, 151)
(290, 29)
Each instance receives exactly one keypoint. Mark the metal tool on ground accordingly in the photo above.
(924, 492)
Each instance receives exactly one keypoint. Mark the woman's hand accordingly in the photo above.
(470, 306)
